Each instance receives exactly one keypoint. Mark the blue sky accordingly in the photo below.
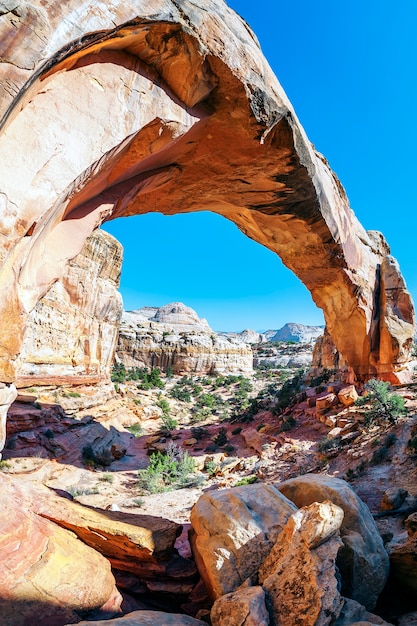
(350, 71)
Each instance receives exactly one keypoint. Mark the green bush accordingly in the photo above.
(173, 470)
(136, 430)
(381, 404)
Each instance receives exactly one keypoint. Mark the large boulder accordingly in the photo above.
(363, 561)
(299, 576)
(48, 576)
(403, 557)
(233, 530)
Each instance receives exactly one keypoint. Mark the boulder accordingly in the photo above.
(354, 613)
(403, 557)
(393, 498)
(147, 618)
(243, 607)
(233, 530)
(348, 395)
(299, 576)
(46, 571)
(362, 561)
(326, 402)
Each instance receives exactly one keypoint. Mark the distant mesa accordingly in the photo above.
(295, 332)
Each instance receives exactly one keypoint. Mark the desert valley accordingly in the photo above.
(155, 470)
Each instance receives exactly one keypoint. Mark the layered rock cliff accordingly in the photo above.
(72, 331)
(121, 108)
(174, 337)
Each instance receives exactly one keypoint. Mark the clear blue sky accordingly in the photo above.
(350, 71)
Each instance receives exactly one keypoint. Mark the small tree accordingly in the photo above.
(382, 405)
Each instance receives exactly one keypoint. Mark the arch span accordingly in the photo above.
(131, 107)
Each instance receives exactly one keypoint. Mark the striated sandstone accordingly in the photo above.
(232, 532)
(173, 336)
(121, 108)
(72, 331)
(46, 571)
(362, 561)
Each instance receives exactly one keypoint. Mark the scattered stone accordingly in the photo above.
(348, 395)
(243, 607)
(354, 613)
(393, 498)
(147, 618)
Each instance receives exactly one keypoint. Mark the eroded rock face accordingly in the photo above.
(114, 109)
(362, 561)
(244, 607)
(147, 618)
(299, 574)
(233, 531)
(173, 336)
(72, 331)
(46, 571)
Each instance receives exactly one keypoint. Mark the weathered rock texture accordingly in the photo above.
(299, 575)
(46, 571)
(114, 109)
(233, 531)
(72, 331)
(295, 332)
(174, 336)
(148, 618)
(244, 607)
(362, 561)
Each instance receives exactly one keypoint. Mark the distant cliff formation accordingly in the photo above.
(72, 331)
(173, 336)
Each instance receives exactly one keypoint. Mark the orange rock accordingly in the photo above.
(46, 571)
(348, 395)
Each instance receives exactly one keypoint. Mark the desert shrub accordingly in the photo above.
(381, 404)
(210, 466)
(173, 470)
(228, 448)
(246, 480)
(180, 393)
(4, 465)
(286, 395)
(221, 437)
(390, 440)
(328, 444)
(107, 478)
(324, 377)
(237, 431)
(380, 455)
(163, 404)
(136, 430)
(198, 432)
(119, 373)
(48, 433)
(288, 424)
(87, 455)
(168, 423)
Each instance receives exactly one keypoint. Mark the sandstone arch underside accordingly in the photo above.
(118, 108)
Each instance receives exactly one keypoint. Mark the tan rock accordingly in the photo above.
(147, 618)
(326, 402)
(58, 577)
(233, 531)
(299, 575)
(124, 538)
(348, 395)
(393, 498)
(72, 331)
(243, 607)
(8, 394)
(362, 561)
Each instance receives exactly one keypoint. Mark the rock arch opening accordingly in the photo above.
(176, 111)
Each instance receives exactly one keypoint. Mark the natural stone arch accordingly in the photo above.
(201, 123)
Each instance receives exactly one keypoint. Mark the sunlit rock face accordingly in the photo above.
(173, 337)
(72, 331)
(119, 108)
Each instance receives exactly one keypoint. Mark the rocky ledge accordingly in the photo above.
(173, 336)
